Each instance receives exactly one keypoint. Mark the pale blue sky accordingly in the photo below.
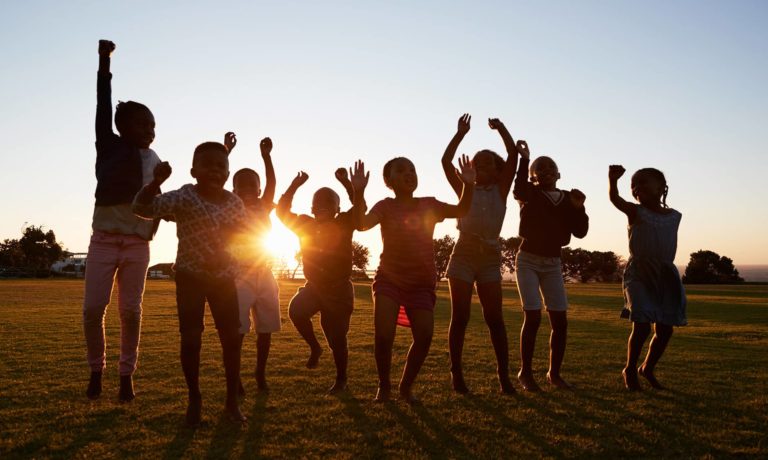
(681, 86)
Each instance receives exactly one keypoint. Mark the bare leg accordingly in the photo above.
(240, 388)
(335, 326)
(531, 322)
(190, 364)
(461, 300)
(422, 327)
(659, 342)
(230, 346)
(385, 324)
(558, 320)
(302, 320)
(263, 342)
(635, 343)
(490, 299)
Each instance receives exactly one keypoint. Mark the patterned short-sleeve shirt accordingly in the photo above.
(204, 229)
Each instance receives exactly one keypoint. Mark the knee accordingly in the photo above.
(383, 342)
(93, 316)
(130, 316)
(191, 340)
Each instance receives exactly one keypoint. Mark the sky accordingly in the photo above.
(677, 85)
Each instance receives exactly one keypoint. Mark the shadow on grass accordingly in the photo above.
(225, 437)
(253, 439)
(97, 428)
(181, 440)
(437, 442)
(364, 425)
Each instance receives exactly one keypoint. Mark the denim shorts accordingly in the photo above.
(474, 260)
(539, 276)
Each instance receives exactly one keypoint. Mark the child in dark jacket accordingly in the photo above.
(548, 218)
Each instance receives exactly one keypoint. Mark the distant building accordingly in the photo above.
(73, 264)
(161, 272)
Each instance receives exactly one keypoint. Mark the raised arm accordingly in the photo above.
(358, 183)
(614, 174)
(343, 177)
(286, 201)
(230, 141)
(269, 171)
(450, 151)
(508, 173)
(520, 192)
(579, 219)
(104, 92)
(465, 174)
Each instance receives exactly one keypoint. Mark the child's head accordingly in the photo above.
(210, 165)
(649, 187)
(544, 172)
(246, 184)
(135, 123)
(488, 165)
(325, 204)
(400, 175)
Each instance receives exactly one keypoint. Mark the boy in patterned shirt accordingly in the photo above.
(206, 217)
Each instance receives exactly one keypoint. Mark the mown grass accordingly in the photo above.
(715, 370)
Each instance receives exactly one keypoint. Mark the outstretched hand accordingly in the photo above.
(522, 149)
(341, 175)
(615, 172)
(162, 172)
(466, 171)
(106, 47)
(577, 198)
(463, 125)
(300, 179)
(266, 147)
(230, 141)
(359, 176)
(496, 124)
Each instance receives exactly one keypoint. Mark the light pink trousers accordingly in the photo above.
(110, 257)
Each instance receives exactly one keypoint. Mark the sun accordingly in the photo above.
(280, 243)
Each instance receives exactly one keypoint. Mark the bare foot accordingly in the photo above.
(505, 385)
(458, 384)
(194, 412)
(233, 412)
(556, 380)
(630, 380)
(383, 394)
(338, 387)
(126, 394)
(407, 396)
(528, 382)
(650, 377)
(94, 386)
(314, 357)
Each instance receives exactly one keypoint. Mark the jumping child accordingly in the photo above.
(119, 246)
(406, 276)
(257, 291)
(653, 292)
(548, 218)
(476, 257)
(326, 251)
(207, 218)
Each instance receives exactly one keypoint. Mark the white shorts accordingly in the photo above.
(539, 276)
(258, 297)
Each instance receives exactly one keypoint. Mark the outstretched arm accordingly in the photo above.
(614, 174)
(269, 170)
(286, 201)
(450, 151)
(230, 141)
(104, 92)
(508, 173)
(341, 176)
(465, 174)
(358, 183)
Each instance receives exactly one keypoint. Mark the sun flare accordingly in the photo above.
(280, 243)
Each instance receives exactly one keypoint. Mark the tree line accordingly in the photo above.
(37, 249)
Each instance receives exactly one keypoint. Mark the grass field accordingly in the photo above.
(716, 371)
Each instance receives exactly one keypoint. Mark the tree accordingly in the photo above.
(360, 255)
(443, 249)
(509, 247)
(584, 266)
(707, 267)
(34, 252)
